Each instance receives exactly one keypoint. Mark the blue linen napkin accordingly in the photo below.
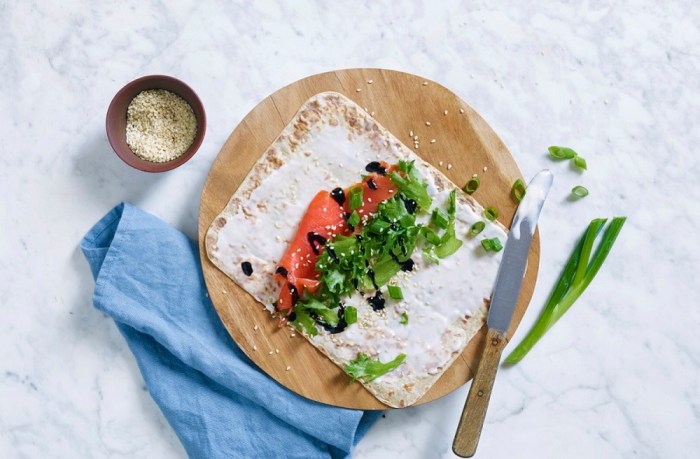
(148, 278)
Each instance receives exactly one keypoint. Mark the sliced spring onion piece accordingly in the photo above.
(430, 235)
(354, 219)
(355, 200)
(561, 152)
(492, 245)
(580, 163)
(404, 319)
(350, 315)
(439, 218)
(476, 228)
(490, 213)
(575, 278)
(518, 190)
(452, 204)
(472, 185)
(395, 292)
(579, 191)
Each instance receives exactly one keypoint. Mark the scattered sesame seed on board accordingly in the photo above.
(425, 83)
(288, 368)
(358, 90)
(461, 110)
(440, 163)
(445, 113)
(224, 292)
(277, 351)
(371, 114)
(433, 141)
(370, 81)
(410, 133)
(485, 168)
(427, 123)
(449, 166)
(255, 327)
(255, 348)
(270, 353)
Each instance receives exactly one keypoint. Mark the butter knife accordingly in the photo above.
(503, 300)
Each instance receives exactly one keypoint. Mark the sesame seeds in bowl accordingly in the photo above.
(156, 123)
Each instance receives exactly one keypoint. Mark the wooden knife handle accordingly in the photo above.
(474, 412)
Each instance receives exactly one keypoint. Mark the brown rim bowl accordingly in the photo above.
(116, 120)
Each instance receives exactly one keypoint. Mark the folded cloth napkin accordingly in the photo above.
(148, 278)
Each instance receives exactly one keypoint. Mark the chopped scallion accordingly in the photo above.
(354, 219)
(518, 190)
(452, 203)
(439, 218)
(580, 163)
(561, 152)
(355, 200)
(404, 319)
(395, 292)
(472, 185)
(476, 228)
(449, 243)
(492, 245)
(430, 235)
(490, 213)
(350, 315)
(579, 191)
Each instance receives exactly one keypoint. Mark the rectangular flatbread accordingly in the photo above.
(326, 145)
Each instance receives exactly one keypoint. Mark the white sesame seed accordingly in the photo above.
(410, 133)
(445, 113)
(358, 90)
(255, 348)
(371, 114)
(269, 353)
(427, 123)
(415, 137)
(461, 110)
(433, 141)
(370, 81)
(224, 292)
(485, 168)
(288, 368)
(293, 335)
(425, 83)
(277, 351)
(255, 327)
(440, 163)
(449, 166)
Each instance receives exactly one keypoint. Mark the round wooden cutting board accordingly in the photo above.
(402, 103)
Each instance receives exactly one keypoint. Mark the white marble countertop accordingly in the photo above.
(618, 376)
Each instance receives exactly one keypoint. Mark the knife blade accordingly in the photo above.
(503, 301)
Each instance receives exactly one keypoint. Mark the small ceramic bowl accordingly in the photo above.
(116, 120)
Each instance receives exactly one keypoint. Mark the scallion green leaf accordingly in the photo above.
(476, 228)
(561, 152)
(575, 278)
(404, 319)
(518, 190)
(395, 292)
(579, 191)
(490, 213)
(439, 219)
(452, 203)
(430, 235)
(354, 219)
(580, 163)
(449, 243)
(355, 199)
(472, 185)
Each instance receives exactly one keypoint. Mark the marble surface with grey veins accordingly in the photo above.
(619, 376)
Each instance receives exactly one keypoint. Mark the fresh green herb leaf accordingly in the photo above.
(404, 319)
(413, 188)
(561, 152)
(367, 369)
(476, 228)
(490, 213)
(579, 191)
(472, 185)
(575, 278)
(354, 219)
(304, 322)
(580, 163)
(452, 203)
(355, 199)
(312, 305)
(518, 190)
(395, 292)
(430, 235)
(350, 315)
(449, 243)
(439, 219)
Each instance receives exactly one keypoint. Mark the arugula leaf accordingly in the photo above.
(366, 369)
(312, 305)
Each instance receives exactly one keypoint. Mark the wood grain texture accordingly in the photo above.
(474, 412)
(401, 102)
